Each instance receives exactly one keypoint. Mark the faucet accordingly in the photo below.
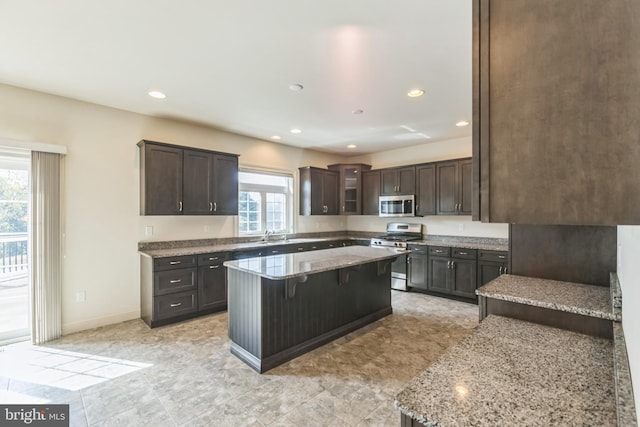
(267, 233)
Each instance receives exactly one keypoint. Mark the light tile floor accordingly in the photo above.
(183, 374)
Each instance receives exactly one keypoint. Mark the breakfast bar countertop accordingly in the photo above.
(285, 266)
(588, 300)
(511, 372)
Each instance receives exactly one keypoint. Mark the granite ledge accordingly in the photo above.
(480, 243)
(626, 408)
(586, 300)
(501, 375)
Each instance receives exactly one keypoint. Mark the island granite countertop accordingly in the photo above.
(511, 372)
(587, 300)
(285, 266)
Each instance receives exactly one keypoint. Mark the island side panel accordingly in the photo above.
(245, 311)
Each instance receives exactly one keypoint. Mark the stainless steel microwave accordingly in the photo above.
(396, 205)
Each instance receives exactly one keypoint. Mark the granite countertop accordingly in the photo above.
(277, 267)
(226, 247)
(587, 300)
(482, 243)
(511, 372)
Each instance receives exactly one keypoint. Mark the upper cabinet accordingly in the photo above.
(370, 192)
(350, 187)
(454, 180)
(556, 137)
(426, 189)
(318, 191)
(396, 181)
(178, 180)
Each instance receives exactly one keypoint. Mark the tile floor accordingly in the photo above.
(183, 374)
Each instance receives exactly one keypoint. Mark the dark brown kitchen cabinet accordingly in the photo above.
(160, 179)
(556, 99)
(370, 192)
(318, 191)
(350, 187)
(212, 282)
(396, 181)
(452, 271)
(454, 184)
(426, 189)
(491, 264)
(418, 267)
(178, 180)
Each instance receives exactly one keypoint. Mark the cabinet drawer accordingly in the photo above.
(419, 249)
(213, 258)
(169, 263)
(493, 256)
(171, 281)
(464, 253)
(439, 250)
(175, 304)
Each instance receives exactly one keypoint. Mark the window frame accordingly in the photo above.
(263, 189)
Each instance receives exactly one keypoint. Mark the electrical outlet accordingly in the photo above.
(207, 228)
(460, 227)
(81, 296)
(148, 230)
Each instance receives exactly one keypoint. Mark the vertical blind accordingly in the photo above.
(46, 247)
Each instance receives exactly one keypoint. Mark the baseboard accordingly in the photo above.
(96, 322)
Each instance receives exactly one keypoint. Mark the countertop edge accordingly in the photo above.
(625, 405)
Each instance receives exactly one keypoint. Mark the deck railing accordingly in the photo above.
(14, 255)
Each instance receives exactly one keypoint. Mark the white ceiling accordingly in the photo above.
(229, 64)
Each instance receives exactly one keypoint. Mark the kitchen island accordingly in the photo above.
(282, 306)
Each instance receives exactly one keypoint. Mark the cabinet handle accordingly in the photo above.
(301, 249)
(176, 304)
(438, 251)
(180, 206)
(314, 247)
(210, 207)
(215, 206)
(501, 256)
(463, 253)
(213, 258)
(275, 252)
(214, 266)
(175, 262)
(175, 281)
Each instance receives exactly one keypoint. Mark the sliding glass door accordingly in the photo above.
(14, 239)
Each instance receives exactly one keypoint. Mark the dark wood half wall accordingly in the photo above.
(570, 253)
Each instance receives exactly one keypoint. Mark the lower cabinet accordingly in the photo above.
(417, 267)
(491, 264)
(452, 271)
(212, 282)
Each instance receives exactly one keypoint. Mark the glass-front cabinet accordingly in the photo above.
(350, 187)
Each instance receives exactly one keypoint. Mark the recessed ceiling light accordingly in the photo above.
(358, 111)
(276, 137)
(462, 123)
(157, 94)
(351, 146)
(296, 87)
(295, 131)
(414, 93)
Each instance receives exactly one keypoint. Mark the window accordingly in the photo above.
(265, 202)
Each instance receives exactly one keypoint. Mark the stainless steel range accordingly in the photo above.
(397, 236)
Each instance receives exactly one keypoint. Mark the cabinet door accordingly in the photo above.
(465, 187)
(212, 287)
(439, 275)
(350, 190)
(447, 173)
(487, 271)
(418, 268)
(225, 185)
(389, 182)
(464, 278)
(426, 190)
(197, 182)
(330, 192)
(161, 184)
(407, 180)
(370, 192)
(317, 183)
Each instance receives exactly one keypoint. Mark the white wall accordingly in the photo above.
(629, 275)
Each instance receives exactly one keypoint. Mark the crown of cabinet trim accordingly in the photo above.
(179, 180)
